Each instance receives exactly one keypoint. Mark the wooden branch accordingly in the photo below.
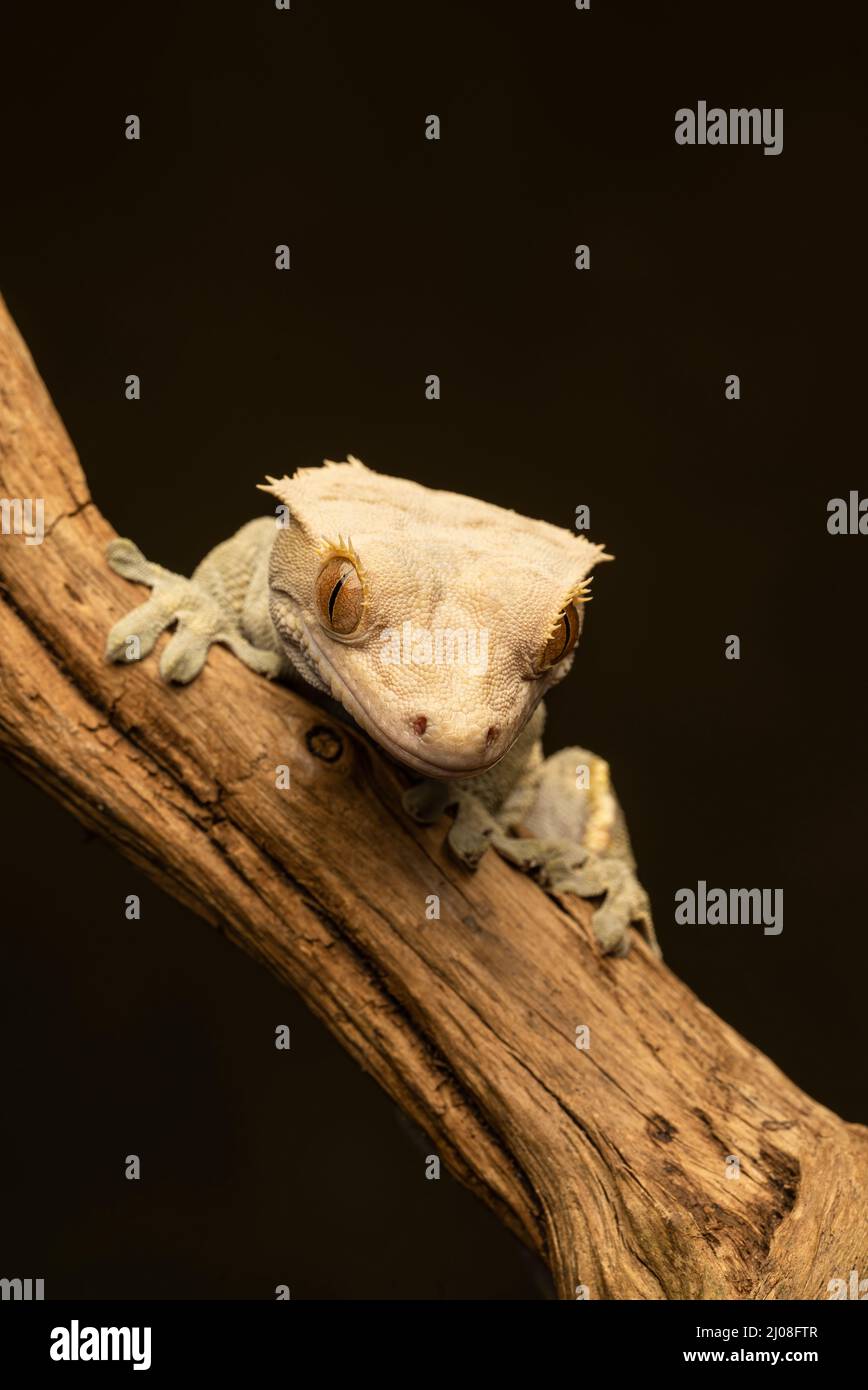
(609, 1161)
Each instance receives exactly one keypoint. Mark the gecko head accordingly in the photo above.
(437, 621)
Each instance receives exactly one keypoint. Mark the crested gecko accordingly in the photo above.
(438, 623)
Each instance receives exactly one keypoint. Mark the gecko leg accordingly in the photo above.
(202, 615)
(561, 868)
(564, 824)
(571, 838)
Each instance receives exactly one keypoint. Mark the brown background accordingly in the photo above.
(559, 388)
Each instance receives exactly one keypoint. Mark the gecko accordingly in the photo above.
(437, 623)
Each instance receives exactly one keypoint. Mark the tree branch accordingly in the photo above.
(609, 1161)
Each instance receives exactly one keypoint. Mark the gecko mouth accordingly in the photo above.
(442, 770)
(444, 767)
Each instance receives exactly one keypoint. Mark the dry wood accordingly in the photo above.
(610, 1161)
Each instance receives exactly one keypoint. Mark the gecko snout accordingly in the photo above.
(456, 752)
(420, 724)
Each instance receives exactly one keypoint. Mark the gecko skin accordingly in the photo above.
(438, 623)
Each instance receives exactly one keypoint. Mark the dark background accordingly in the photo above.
(559, 388)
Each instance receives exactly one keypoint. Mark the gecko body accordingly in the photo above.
(438, 623)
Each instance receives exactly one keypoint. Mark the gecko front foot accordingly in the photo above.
(571, 839)
(199, 616)
(621, 902)
(473, 828)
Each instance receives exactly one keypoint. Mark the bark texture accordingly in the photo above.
(610, 1161)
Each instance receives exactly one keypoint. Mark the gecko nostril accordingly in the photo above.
(420, 724)
(493, 733)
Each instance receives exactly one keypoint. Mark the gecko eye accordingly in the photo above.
(339, 596)
(562, 640)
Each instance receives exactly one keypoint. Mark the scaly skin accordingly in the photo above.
(438, 622)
